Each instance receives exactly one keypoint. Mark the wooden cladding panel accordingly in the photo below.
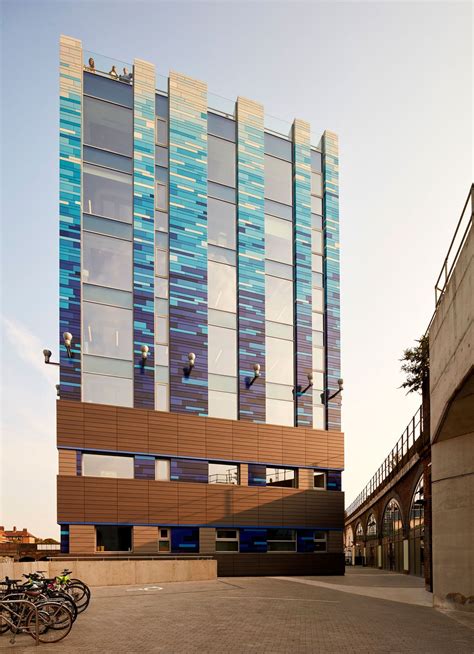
(70, 493)
(270, 506)
(219, 504)
(67, 463)
(145, 540)
(244, 474)
(324, 508)
(163, 502)
(207, 540)
(94, 426)
(305, 478)
(100, 500)
(133, 500)
(294, 507)
(192, 503)
(81, 539)
(246, 500)
(335, 541)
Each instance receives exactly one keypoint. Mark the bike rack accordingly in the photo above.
(18, 629)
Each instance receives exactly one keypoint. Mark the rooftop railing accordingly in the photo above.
(398, 457)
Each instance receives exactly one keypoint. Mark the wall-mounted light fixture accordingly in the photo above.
(47, 358)
(299, 390)
(327, 395)
(67, 336)
(256, 374)
(191, 363)
(144, 349)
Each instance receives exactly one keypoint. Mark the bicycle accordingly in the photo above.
(46, 622)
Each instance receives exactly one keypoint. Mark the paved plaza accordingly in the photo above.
(366, 611)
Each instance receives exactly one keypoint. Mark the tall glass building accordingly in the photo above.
(199, 280)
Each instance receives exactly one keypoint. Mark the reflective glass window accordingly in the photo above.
(103, 465)
(221, 161)
(107, 366)
(221, 192)
(320, 541)
(317, 279)
(319, 479)
(318, 321)
(161, 221)
(104, 295)
(223, 473)
(161, 263)
(107, 227)
(107, 89)
(317, 263)
(278, 147)
(161, 196)
(318, 358)
(162, 397)
(161, 355)
(227, 540)
(111, 538)
(161, 287)
(279, 300)
(279, 330)
(222, 383)
(108, 159)
(317, 241)
(318, 299)
(222, 318)
(221, 287)
(107, 193)
(108, 126)
(318, 415)
(162, 132)
(161, 240)
(278, 180)
(162, 469)
(318, 338)
(277, 269)
(278, 240)
(161, 332)
(222, 255)
(316, 161)
(222, 351)
(281, 540)
(316, 184)
(316, 221)
(161, 156)
(161, 374)
(279, 361)
(161, 105)
(107, 261)
(107, 390)
(316, 205)
(221, 223)
(285, 477)
(107, 331)
(161, 175)
(318, 381)
(221, 126)
(279, 392)
(278, 412)
(222, 405)
(277, 209)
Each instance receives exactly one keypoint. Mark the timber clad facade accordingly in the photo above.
(199, 268)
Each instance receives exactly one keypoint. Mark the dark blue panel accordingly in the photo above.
(79, 464)
(253, 540)
(189, 470)
(257, 474)
(334, 480)
(144, 467)
(64, 539)
(185, 540)
(107, 89)
(305, 540)
(109, 159)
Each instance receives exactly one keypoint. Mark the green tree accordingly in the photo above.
(416, 365)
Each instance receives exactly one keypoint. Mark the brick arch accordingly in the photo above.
(372, 511)
(360, 522)
(413, 485)
(393, 495)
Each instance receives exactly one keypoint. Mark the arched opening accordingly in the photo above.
(371, 546)
(417, 531)
(348, 541)
(359, 545)
(392, 537)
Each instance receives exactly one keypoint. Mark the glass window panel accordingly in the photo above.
(318, 416)
(319, 479)
(277, 209)
(279, 330)
(107, 261)
(221, 254)
(161, 196)
(318, 358)
(221, 223)
(108, 227)
(161, 263)
(317, 280)
(108, 126)
(221, 161)
(316, 161)
(161, 175)
(161, 397)
(278, 412)
(278, 147)
(318, 381)
(107, 366)
(111, 538)
(285, 477)
(161, 156)
(278, 269)
(222, 351)
(107, 331)
(161, 221)
(316, 221)
(279, 361)
(161, 240)
(316, 205)
(110, 296)
(221, 287)
(279, 300)
(222, 383)
(162, 133)
(318, 321)
(317, 241)
(162, 374)
(223, 473)
(107, 390)
(221, 192)
(103, 465)
(161, 333)
(222, 405)
(278, 180)
(161, 355)
(162, 307)
(222, 319)
(220, 126)
(279, 392)
(107, 193)
(317, 263)
(161, 287)
(316, 184)
(161, 105)
(318, 299)
(227, 545)
(318, 338)
(278, 240)
(162, 470)
(108, 89)
(108, 159)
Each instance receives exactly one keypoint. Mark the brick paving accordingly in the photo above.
(264, 615)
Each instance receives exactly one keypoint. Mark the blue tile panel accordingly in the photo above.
(334, 480)
(189, 470)
(143, 232)
(188, 242)
(305, 540)
(185, 540)
(332, 274)
(70, 173)
(253, 540)
(144, 467)
(257, 474)
(79, 463)
(251, 257)
(64, 539)
(302, 260)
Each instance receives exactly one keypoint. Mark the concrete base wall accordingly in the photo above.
(117, 573)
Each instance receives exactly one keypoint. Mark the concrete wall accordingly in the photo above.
(118, 573)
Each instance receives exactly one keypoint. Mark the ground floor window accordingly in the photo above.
(112, 538)
(320, 541)
(281, 540)
(164, 539)
(227, 540)
(185, 540)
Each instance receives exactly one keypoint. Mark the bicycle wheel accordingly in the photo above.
(80, 594)
(5, 618)
(62, 596)
(54, 622)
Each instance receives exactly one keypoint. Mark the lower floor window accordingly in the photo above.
(111, 538)
(164, 543)
(320, 541)
(281, 540)
(227, 540)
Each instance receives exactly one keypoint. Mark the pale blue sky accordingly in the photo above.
(393, 79)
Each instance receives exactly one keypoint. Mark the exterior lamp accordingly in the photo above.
(256, 374)
(299, 390)
(144, 349)
(325, 397)
(67, 336)
(191, 363)
(47, 358)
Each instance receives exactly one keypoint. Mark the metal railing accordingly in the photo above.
(397, 458)
(455, 247)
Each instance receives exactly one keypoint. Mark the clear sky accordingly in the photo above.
(393, 79)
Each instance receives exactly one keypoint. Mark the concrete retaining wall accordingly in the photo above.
(117, 573)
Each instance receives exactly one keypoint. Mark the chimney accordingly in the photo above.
(2, 528)
(14, 528)
(25, 531)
